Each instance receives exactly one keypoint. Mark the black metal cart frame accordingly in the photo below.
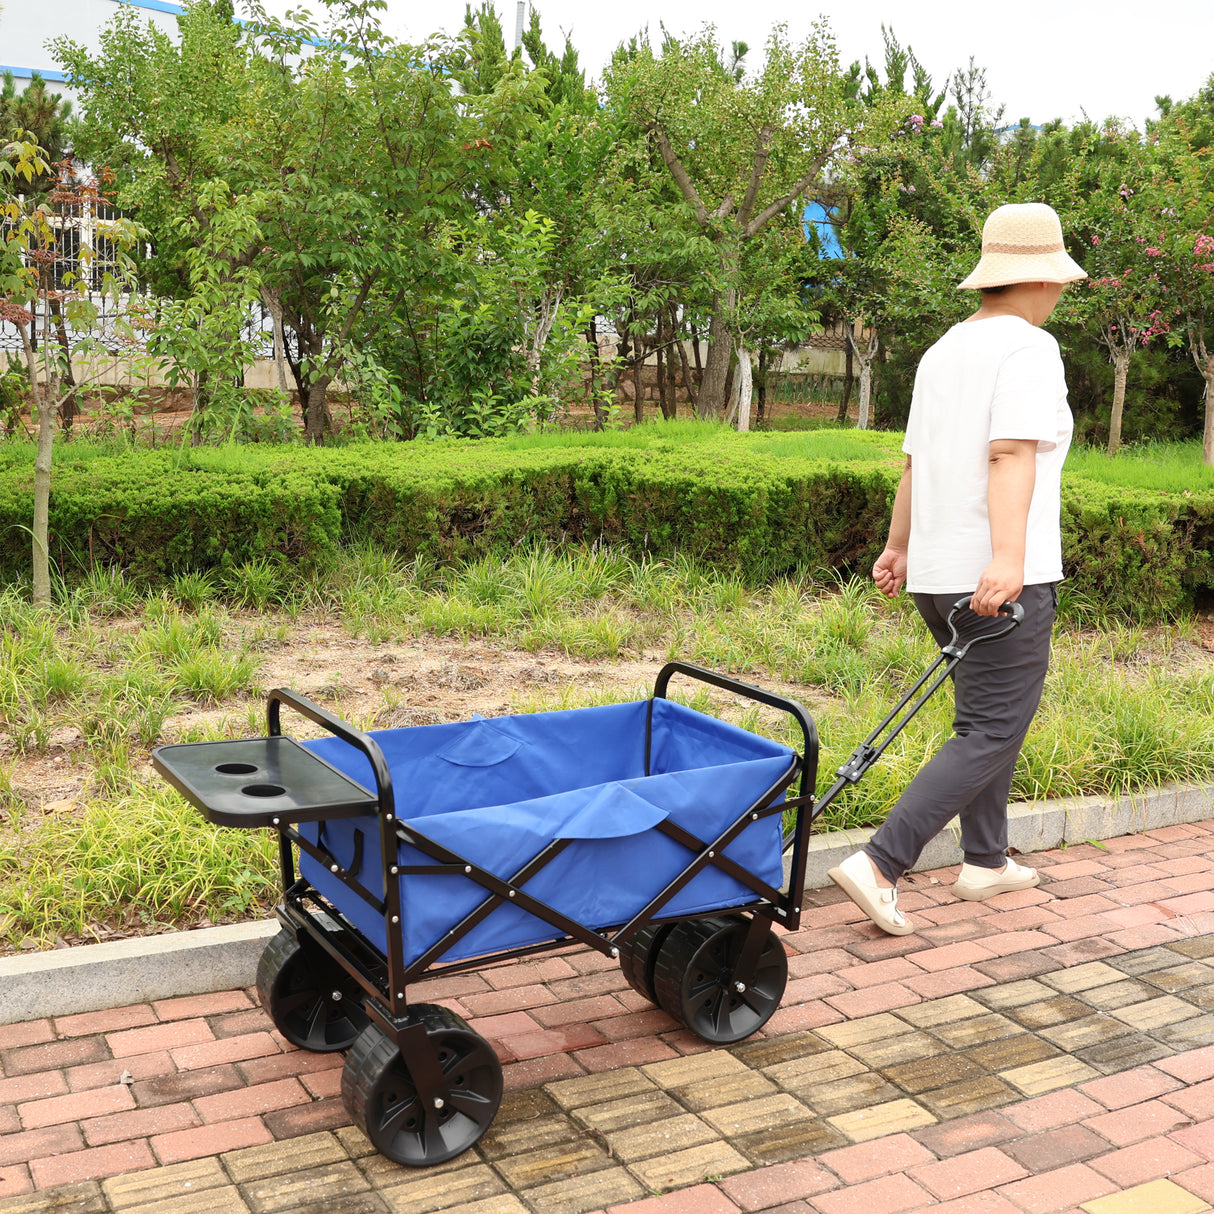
(385, 985)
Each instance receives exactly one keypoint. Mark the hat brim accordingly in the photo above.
(1007, 269)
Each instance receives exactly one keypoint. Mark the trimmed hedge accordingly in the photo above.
(760, 504)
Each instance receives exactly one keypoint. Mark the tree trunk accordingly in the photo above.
(761, 387)
(317, 419)
(273, 304)
(849, 379)
(865, 358)
(1207, 436)
(42, 402)
(744, 387)
(720, 333)
(202, 398)
(69, 409)
(592, 349)
(695, 353)
(1121, 370)
(1204, 358)
(660, 355)
(716, 367)
(692, 391)
(671, 326)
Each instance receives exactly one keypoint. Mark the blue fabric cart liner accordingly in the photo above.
(497, 792)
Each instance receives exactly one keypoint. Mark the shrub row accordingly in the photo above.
(759, 504)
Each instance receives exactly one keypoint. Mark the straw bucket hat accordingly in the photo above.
(1022, 242)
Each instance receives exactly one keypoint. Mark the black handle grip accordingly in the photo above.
(969, 628)
(339, 729)
(809, 731)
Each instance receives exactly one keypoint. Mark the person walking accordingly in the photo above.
(977, 511)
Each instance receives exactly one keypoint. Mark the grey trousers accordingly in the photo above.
(996, 688)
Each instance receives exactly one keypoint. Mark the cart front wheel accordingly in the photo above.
(383, 1101)
(639, 958)
(313, 1002)
(699, 980)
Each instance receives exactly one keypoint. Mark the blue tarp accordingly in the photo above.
(497, 792)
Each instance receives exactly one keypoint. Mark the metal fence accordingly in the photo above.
(86, 231)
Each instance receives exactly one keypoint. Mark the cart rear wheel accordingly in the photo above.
(313, 1002)
(382, 1099)
(697, 978)
(639, 958)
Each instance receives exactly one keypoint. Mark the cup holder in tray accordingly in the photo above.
(260, 782)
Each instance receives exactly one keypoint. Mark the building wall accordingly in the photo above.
(27, 25)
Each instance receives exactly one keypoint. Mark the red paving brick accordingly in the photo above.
(1054, 1109)
(1055, 1191)
(35, 1144)
(1145, 1161)
(136, 1016)
(139, 1123)
(871, 1001)
(867, 1160)
(94, 1164)
(1130, 1087)
(210, 1140)
(158, 1037)
(76, 1107)
(1191, 1066)
(781, 1182)
(201, 1005)
(889, 1195)
(14, 1182)
(30, 1032)
(1196, 1102)
(1197, 1138)
(1136, 1122)
(226, 1049)
(964, 1174)
(703, 1199)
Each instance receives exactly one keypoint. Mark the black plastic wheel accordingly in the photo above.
(639, 957)
(313, 1002)
(383, 1102)
(696, 979)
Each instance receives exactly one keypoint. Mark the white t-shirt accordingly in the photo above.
(983, 380)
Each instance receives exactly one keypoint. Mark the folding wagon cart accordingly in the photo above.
(648, 831)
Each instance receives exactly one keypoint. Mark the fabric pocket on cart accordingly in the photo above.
(480, 745)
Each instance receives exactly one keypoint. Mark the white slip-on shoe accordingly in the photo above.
(975, 884)
(855, 878)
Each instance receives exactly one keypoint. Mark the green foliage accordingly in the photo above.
(759, 506)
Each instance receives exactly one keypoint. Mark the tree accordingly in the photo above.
(42, 116)
(1105, 214)
(40, 265)
(1180, 202)
(358, 151)
(739, 151)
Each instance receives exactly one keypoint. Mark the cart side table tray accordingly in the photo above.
(260, 782)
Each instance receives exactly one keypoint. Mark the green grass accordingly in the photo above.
(1125, 708)
(1170, 467)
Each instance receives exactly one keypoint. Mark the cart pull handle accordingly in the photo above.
(809, 731)
(340, 729)
(968, 629)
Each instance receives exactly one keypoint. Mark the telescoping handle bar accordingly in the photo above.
(968, 629)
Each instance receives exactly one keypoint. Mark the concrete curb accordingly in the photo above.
(65, 982)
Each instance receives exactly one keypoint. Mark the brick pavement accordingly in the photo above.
(1050, 1050)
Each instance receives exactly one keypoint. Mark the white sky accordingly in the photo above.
(1043, 59)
